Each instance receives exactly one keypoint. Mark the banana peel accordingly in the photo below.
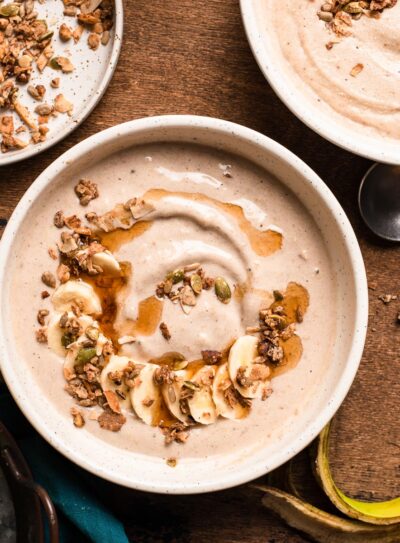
(368, 521)
(385, 512)
(321, 526)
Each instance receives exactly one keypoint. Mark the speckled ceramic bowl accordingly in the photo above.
(193, 475)
(272, 66)
(84, 87)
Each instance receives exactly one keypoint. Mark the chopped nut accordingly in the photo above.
(86, 191)
(45, 294)
(37, 92)
(163, 375)
(165, 331)
(93, 41)
(105, 38)
(339, 14)
(52, 253)
(44, 110)
(62, 105)
(41, 335)
(65, 32)
(55, 83)
(63, 64)
(211, 357)
(48, 279)
(358, 68)
(111, 421)
(58, 220)
(176, 432)
(42, 313)
(77, 417)
(63, 273)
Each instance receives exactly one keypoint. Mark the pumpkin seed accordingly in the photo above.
(92, 333)
(196, 283)
(353, 7)
(85, 355)
(67, 339)
(45, 36)
(167, 286)
(171, 394)
(179, 365)
(282, 321)
(176, 276)
(9, 10)
(54, 64)
(191, 385)
(222, 290)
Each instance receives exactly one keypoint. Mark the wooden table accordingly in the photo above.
(192, 56)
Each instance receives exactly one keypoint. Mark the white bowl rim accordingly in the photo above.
(34, 150)
(273, 75)
(226, 128)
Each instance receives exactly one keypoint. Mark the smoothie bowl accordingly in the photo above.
(335, 65)
(183, 304)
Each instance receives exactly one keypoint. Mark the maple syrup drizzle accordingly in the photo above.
(295, 303)
(109, 288)
(263, 243)
(149, 317)
(114, 240)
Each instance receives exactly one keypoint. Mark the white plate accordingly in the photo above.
(264, 50)
(84, 87)
(214, 472)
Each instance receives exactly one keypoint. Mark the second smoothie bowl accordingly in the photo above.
(183, 304)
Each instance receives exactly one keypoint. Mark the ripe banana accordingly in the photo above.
(76, 292)
(249, 379)
(201, 404)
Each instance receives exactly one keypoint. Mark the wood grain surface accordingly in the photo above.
(192, 56)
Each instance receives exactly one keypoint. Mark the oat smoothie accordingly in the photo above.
(343, 56)
(179, 298)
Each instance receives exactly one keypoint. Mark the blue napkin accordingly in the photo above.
(82, 517)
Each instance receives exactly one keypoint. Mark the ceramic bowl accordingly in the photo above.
(214, 472)
(93, 71)
(272, 65)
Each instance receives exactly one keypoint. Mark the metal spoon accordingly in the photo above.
(379, 200)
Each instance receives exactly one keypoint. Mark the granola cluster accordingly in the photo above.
(91, 354)
(340, 14)
(26, 46)
(274, 329)
(190, 285)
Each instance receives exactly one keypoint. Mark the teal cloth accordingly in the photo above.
(82, 516)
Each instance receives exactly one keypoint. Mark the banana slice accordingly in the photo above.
(55, 332)
(108, 263)
(201, 405)
(77, 292)
(228, 401)
(146, 396)
(249, 379)
(116, 363)
(172, 395)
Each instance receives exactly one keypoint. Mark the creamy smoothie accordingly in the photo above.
(185, 300)
(342, 56)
